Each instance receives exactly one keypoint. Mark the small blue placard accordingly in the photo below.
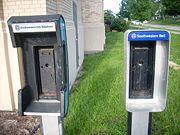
(148, 35)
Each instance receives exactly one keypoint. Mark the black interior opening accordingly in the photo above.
(142, 63)
(39, 63)
(45, 72)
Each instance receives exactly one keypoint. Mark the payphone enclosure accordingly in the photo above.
(44, 59)
(146, 70)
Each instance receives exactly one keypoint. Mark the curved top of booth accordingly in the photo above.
(37, 18)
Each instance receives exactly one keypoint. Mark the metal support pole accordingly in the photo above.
(52, 125)
(139, 123)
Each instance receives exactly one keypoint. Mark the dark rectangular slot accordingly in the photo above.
(47, 84)
(142, 57)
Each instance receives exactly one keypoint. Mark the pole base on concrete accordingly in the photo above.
(52, 125)
(139, 123)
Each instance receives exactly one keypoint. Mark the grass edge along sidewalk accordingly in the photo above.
(167, 21)
(171, 30)
(149, 27)
(97, 102)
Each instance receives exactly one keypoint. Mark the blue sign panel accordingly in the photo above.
(148, 35)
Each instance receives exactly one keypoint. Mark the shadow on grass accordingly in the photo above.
(92, 61)
(90, 98)
(93, 96)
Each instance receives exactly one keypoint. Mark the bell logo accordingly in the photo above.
(17, 27)
(133, 36)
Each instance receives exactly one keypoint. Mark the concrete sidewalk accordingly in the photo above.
(152, 28)
(163, 26)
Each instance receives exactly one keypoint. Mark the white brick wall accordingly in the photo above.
(93, 22)
(92, 11)
(64, 7)
(1, 10)
(23, 7)
(51, 6)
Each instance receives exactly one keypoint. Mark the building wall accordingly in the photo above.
(51, 6)
(93, 21)
(9, 72)
(1, 10)
(5, 82)
(65, 7)
(80, 32)
(23, 7)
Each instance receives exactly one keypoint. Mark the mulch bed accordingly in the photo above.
(12, 124)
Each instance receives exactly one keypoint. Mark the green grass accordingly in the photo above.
(96, 105)
(133, 27)
(97, 102)
(167, 122)
(175, 48)
(167, 21)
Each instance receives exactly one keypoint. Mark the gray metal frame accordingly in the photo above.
(158, 102)
(139, 118)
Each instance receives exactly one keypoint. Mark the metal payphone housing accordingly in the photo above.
(146, 70)
(43, 54)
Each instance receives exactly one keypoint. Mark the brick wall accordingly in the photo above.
(92, 11)
(51, 6)
(1, 10)
(23, 7)
(64, 7)
(93, 23)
